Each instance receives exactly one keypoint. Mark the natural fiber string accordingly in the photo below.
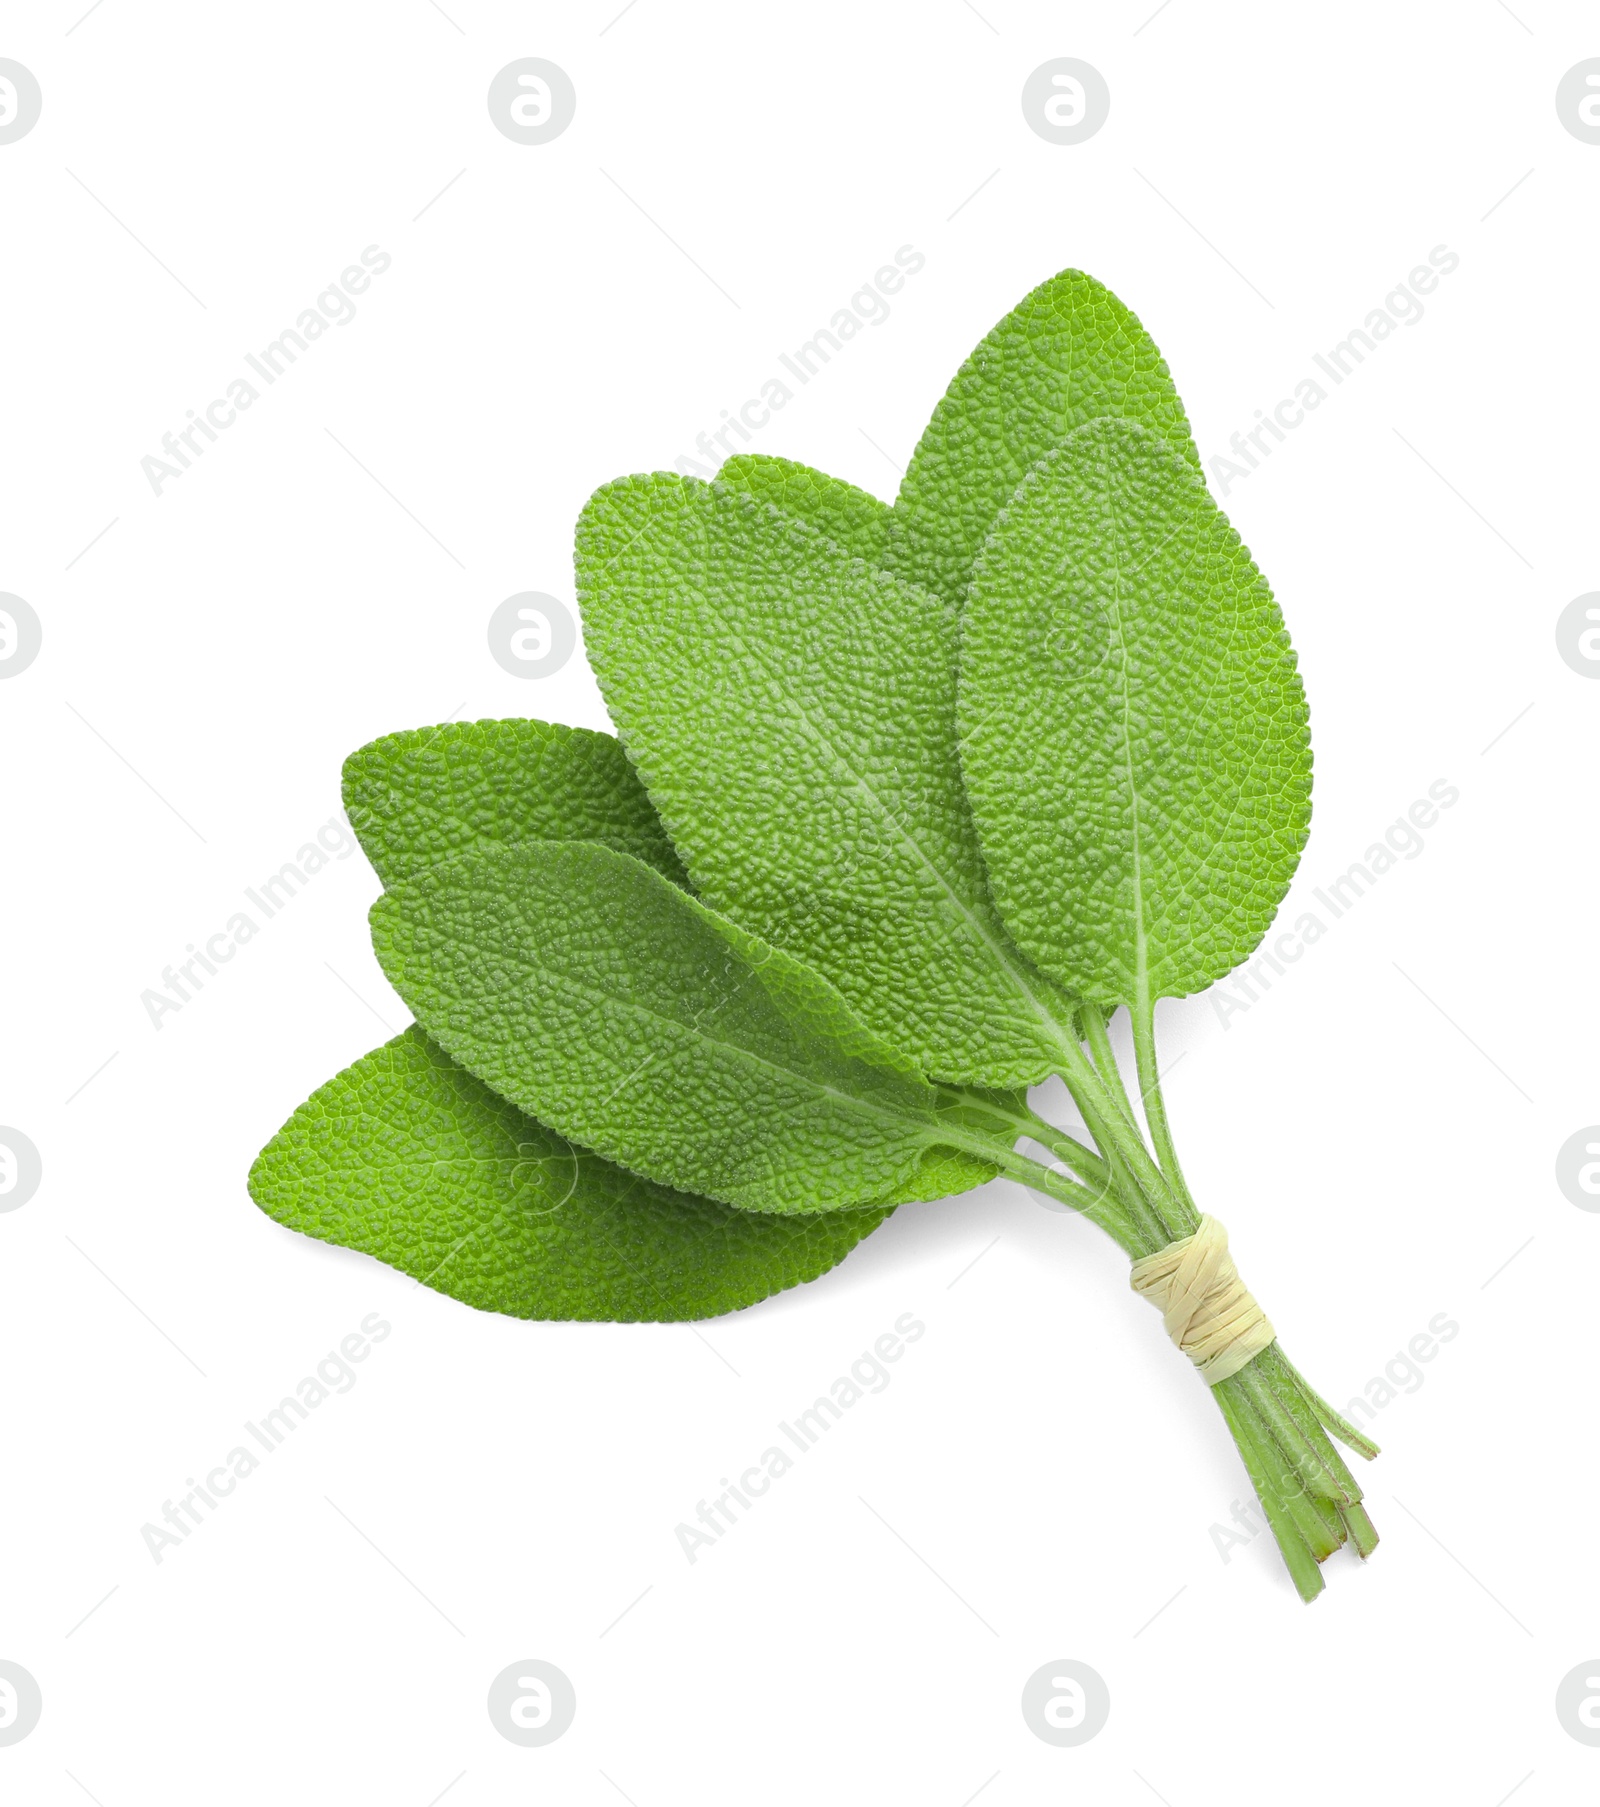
(1208, 1310)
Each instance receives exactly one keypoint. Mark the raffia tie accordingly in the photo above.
(1208, 1310)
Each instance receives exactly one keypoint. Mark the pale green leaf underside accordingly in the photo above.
(408, 1158)
(850, 517)
(1066, 354)
(792, 714)
(614, 1007)
(1134, 731)
(427, 794)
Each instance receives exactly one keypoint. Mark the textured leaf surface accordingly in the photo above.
(940, 1173)
(848, 516)
(597, 996)
(407, 1157)
(1068, 353)
(1134, 726)
(792, 713)
(419, 797)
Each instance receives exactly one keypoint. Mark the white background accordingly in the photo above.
(198, 176)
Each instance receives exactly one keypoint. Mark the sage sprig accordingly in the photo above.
(907, 803)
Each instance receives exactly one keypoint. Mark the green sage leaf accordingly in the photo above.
(1134, 730)
(425, 795)
(597, 996)
(850, 517)
(1066, 354)
(420, 797)
(408, 1158)
(792, 713)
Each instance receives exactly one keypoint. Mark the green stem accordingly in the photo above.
(1101, 1205)
(1155, 1107)
(1105, 1060)
(1114, 1133)
(1342, 1428)
(1275, 1374)
(1292, 1437)
(1103, 1175)
(1102, 1208)
(1315, 1519)
(1139, 1208)
(1363, 1533)
(1301, 1564)
(1302, 1402)
(1083, 1161)
(1280, 1425)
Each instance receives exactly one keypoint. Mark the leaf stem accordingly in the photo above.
(1105, 1061)
(1291, 1436)
(1110, 1173)
(1330, 1420)
(1102, 1208)
(1316, 1520)
(1143, 1018)
(1142, 1201)
(1258, 1451)
(1084, 1161)
(1363, 1533)
(1113, 1129)
(1291, 1392)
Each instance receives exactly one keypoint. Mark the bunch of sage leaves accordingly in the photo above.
(905, 804)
